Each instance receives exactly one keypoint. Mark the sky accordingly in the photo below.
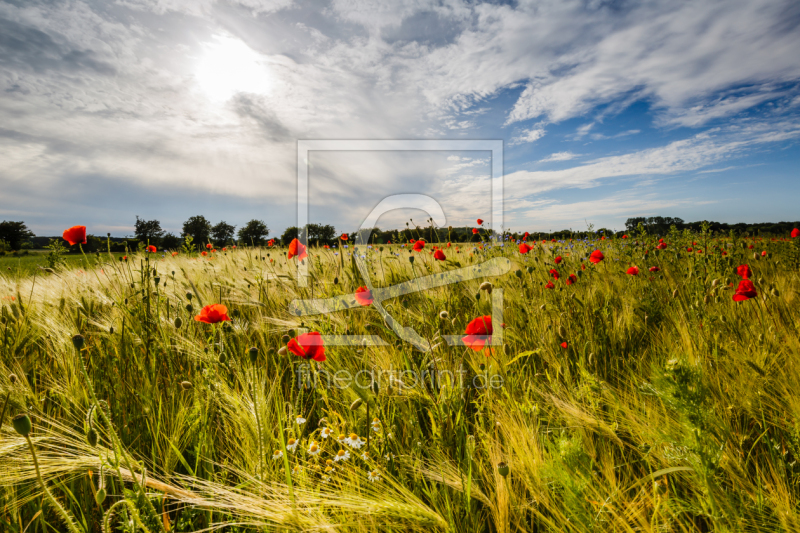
(166, 109)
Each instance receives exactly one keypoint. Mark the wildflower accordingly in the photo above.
(795, 233)
(596, 257)
(325, 433)
(633, 271)
(204, 253)
(654, 269)
(564, 345)
(764, 253)
(480, 221)
(478, 332)
(745, 291)
(474, 231)
(277, 455)
(355, 441)
(558, 259)
(291, 445)
(296, 469)
(342, 455)
(554, 273)
(624, 236)
(313, 448)
(212, 314)
(296, 248)
(662, 246)
(75, 235)
(224, 249)
(439, 255)
(549, 285)
(364, 296)
(419, 245)
(151, 249)
(524, 248)
(300, 420)
(174, 254)
(344, 236)
(572, 279)
(374, 476)
(376, 425)
(271, 243)
(744, 271)
(342, 438)
(308, 346)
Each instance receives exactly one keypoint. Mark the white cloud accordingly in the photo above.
(528, 136)
(559, 156)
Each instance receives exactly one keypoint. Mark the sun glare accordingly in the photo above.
(227, 67)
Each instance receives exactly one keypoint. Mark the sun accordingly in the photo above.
(227, 67)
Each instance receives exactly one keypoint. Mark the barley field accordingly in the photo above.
(644, 383)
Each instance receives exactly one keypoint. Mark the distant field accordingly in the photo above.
(26, 265)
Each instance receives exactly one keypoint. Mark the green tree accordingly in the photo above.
(199, 229)
(288, 235)
(148, 231)
(170, 242)
(223, 233)
(14, 233)
(254, 233)
(321, 234)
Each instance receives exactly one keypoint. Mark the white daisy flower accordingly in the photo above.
(389, 456)
(376, 425)
(296, 470)
(343, 455)
(354, 441)
(326, 432)
(365, 456)
(342, 439)
(291, 445)
(300, 420)
(313, 448)
(277, 455)
(374, 476)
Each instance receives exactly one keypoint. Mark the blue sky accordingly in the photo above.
(608, 109)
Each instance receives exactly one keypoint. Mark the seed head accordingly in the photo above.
(443, 315)
(12, 378)
(356, 404)
(22, 424)
(253, 352)
(186, 385)
(78, 341)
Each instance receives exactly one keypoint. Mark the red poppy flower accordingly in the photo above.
(525, 237)
(211, 314)
(662, 246)
(764, 253)
(480, 221)
(596, 257)
(214, 250)
(474, 231)
(364, 296)
(234, 246)
(603, 238)
(151, 249)
(795, 233)
(271, 243)
(419, 245)
(554, 273)
(478, 332)
(654, 269)
(553, 240)
(326, 246)
(174, 254)
(744, 271)
(296, 248)
(558, 259)
(689, 249)
(564, 345)
(224, 249)
(633, 271)
(583, 267)
(209, 246)
(75, 235)
(572, 279)
(308, 346)
(745, 291)
(439, 255)
(524, 248)
(344, 236)
(124, 257)
(204, 253)
(549, 285)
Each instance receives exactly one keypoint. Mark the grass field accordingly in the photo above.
(620, 402)
(27, 265)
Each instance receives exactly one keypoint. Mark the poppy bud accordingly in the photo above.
(675, 293)
(156, 280)
(12, 378)
(22, 424)
(126, 301)
(411, 259)
(186, 385)
(356, 404)
(189, 296)
(253, 352)
(336, 280)
(291, 333)
(78, 341)
(235, 313)
(760, 281)
(111, 330)
(443, 315)
(518, 273)
(486, 286)
(285, 339)
(478, 296)
(542, 307)
(100, 496)
(775, 292)
(714, 282)
(562, 332)
(502, 469)
(189, 307)
(282, 350)
(705, 299)
(91, 437)
(178, 322)
(223, 358)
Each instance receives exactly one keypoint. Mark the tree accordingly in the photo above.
(254, 233)
(199, 229)
(14, 233)
(223, 233)
(148, 231)
(320, 234)
(170, 242)
(288, 235)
